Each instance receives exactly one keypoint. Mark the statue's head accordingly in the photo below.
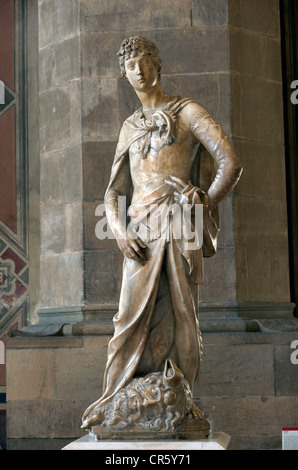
(138, 46)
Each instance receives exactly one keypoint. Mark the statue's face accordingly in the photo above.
(141, 73)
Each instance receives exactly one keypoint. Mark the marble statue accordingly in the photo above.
(170, 154)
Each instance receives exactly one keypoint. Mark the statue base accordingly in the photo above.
(188, 429)
(217, 441)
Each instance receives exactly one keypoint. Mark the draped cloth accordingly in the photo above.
(158, 307)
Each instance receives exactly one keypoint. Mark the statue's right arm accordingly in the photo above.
(116, 197)
(116, 201)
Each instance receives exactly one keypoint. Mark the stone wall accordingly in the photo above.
(247, 387)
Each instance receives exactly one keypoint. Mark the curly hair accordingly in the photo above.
(135, 46)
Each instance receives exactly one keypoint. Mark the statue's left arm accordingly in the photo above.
(217, 144)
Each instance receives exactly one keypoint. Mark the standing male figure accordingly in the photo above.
(154, 168)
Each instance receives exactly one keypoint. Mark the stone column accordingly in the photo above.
(61, 181)
(223, 55)
(80, 276)
(193, 39)
(260, 204)
(83, 102)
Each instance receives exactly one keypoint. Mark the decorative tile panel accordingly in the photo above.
(14, 262)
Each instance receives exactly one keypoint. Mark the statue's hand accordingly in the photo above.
(179, 185)
(131, 246)
(184, 192)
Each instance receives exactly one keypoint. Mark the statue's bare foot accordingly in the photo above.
(85, 424)
(88, 422)
(195, 412)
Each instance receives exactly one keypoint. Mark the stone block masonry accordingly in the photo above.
(247, 387)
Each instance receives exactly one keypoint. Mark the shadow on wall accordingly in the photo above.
(2, 430)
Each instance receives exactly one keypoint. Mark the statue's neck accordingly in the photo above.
(153, 99)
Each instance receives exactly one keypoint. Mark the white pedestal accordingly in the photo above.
(218, 441)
